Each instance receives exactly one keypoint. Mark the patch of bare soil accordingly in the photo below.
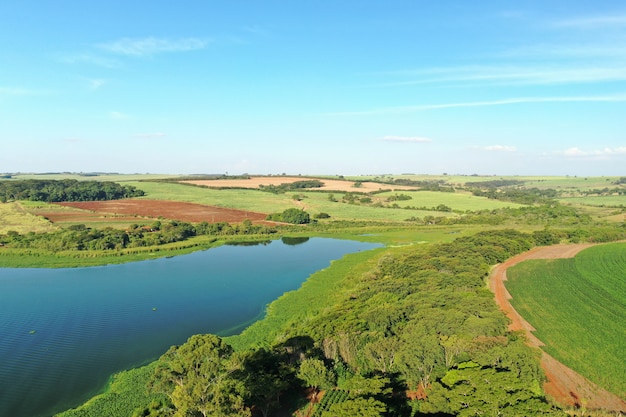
(176, 210)
(329, 185)
(564, 385)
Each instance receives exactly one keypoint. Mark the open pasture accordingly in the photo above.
(599, 201)
(15, 217)
(456, 201)
(578, 308)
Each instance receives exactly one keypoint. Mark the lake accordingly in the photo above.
(63, 332)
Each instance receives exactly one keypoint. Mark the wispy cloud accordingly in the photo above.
(519, 75)
(576, 152)
(410, 139)
(150, 135)
(96, 83)
(499, 148)
(19, 91)
(118, 115)
(593, 22)
(151, 46)
(503, 102)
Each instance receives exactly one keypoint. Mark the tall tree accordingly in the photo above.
(198, 377)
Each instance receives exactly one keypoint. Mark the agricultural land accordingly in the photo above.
(409, 329)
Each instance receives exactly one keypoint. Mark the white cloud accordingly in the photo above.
(525, 75)
(500, 148)
(96, 83)
(414, 139)
(151, 46)
(593, 22)
(118, 115)
(504, 102)
(150, 135)
(597, 153)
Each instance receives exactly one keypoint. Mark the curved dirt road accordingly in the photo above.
(565, 386)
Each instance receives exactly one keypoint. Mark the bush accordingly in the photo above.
(295, 216)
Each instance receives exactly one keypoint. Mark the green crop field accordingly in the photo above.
(578, 307)
(456, 201)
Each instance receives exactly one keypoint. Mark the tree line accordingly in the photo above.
(54, 191)
(81, 238)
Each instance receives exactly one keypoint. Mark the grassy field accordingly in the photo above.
(578, 307)
(608, 201)
(457, 201)
(556, 182)
(264, 202)
(15, 217)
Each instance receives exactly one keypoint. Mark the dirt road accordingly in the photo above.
(565, 386)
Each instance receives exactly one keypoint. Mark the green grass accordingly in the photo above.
(264, 202)
(578, 307)
(15, 217)
(126, 392)
(456, 201)
(609, 200)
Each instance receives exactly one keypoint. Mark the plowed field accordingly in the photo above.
(189, 212)
(329, 185)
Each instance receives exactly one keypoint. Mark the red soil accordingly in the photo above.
(189, 212)
(565, 386)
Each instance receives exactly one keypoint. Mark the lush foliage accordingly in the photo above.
(421, 320)
(158, 233)
(578, 308)
(127, 392)
(290, 186)
(291, 215)
(65, 190)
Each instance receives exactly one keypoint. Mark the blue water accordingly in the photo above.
(63, 332)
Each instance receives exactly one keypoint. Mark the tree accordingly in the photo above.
(266, 378)
(295, 216)
(198, 378)
(315, 374)
(362, 407)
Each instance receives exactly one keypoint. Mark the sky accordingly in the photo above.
(490, 87)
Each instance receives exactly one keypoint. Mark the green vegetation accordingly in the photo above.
(291, 186)
(65, 190)
(14, 217)
(291, 215)
(127, 391)
(377, 328)
(578, 308)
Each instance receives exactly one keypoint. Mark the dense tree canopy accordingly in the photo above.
(53, 191)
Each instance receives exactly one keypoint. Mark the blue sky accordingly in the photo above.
(314, 87)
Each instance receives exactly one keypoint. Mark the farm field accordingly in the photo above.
(542, 182)
(189, 212)
(461, 201)
(264, 202)
(578, 308)
(15, 217)
(329, 184)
